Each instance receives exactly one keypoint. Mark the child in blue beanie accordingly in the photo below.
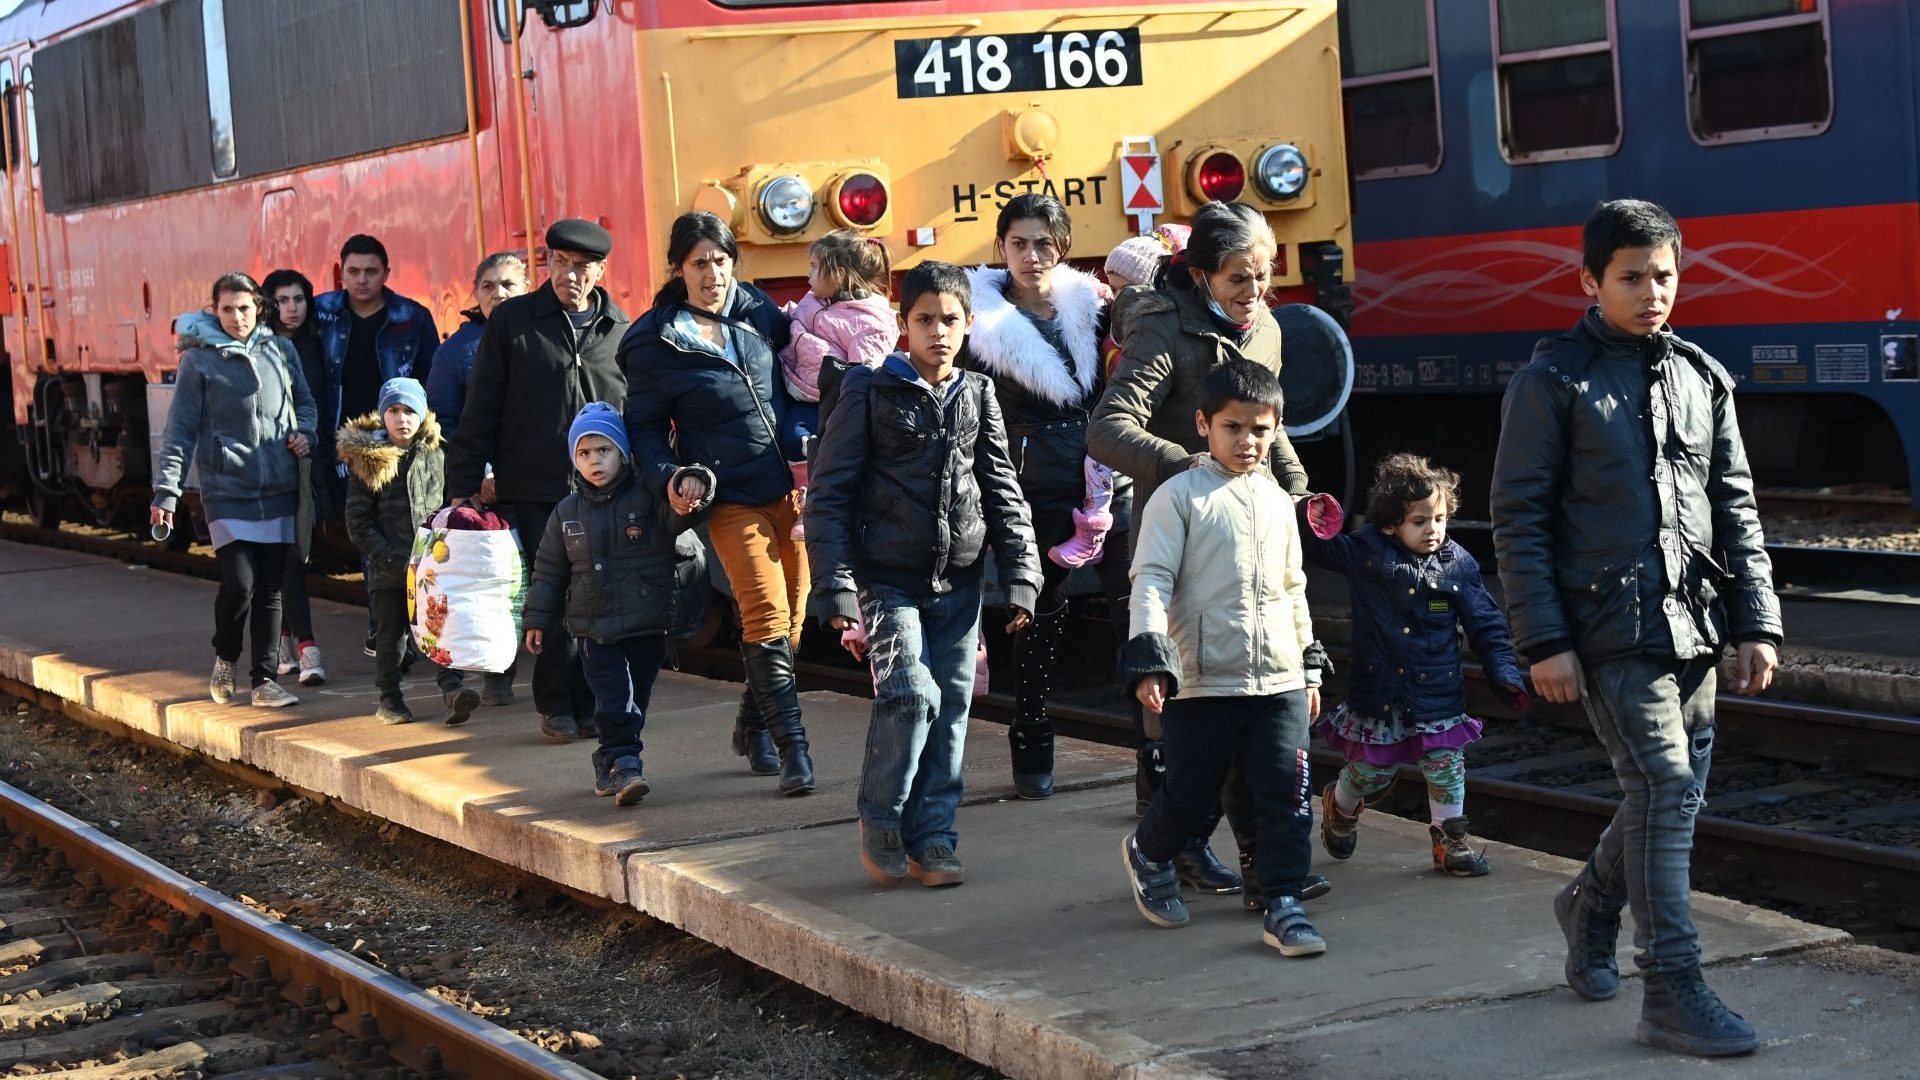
(607, 560)
(396, 477)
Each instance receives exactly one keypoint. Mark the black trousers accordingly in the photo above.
(250, 576)
(559, 685)
(1268, 735)
(390, 630)
(296, 608)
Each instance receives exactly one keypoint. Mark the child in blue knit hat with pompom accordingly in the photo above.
(607, 563)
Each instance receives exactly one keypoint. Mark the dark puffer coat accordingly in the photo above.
(390, 491)
(531, 375)
(908, 490)
(1045, 397)
(1406, 611)
(724, 415)
(1623, 508)
(615, 560)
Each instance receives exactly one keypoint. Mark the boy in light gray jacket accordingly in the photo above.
(1218, 641)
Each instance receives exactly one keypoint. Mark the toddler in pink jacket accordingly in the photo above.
(845, 315)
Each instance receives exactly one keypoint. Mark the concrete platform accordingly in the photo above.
(1038, 966)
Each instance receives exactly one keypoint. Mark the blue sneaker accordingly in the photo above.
(1286, 928)
(1156, 887)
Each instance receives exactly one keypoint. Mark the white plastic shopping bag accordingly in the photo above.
(464, 589)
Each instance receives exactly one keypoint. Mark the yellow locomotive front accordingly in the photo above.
(917, 129)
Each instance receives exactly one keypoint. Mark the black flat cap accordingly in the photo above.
(578, 234)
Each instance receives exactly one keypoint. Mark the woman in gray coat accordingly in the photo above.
(242, 415)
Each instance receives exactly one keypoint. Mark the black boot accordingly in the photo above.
(1591, 932)
(1031, 733)
(770, 677)
(1312, 887)
(750, 738)
(1680, 1013)
(1200, 869)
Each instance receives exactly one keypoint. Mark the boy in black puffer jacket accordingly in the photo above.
(911, 483)
(609, 558)
(396, 476)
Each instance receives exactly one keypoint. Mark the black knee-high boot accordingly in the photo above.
(769, 667)
(750, 738)
(1031, 733)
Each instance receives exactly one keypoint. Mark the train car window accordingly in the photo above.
(564, 14)
(31, 124)
(1390, 83)
(9, 131)
(1559, 79)
(509, 19)
(213, 25)
(1757, 69)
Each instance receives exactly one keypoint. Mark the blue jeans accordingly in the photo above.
(921, 653)
(1655, 716)
(622, 674)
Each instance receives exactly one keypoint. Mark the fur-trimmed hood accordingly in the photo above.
(365, 450)
(1004, 344)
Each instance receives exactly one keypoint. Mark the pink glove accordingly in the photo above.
(1324, 516)
(854, 640)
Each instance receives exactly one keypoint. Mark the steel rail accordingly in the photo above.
(418, 1029)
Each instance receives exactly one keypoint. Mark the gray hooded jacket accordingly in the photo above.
(234, 406)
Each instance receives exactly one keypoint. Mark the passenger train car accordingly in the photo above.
(1782, 134)
(151, 145)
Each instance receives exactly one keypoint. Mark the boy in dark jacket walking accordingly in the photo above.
(1631, 552)
(911, 482)
(608, 559)
(396, 476)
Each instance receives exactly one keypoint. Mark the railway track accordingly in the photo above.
(114, 966)
(1813, 807)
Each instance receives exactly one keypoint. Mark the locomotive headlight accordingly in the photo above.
(786, 204)
(1281, 171)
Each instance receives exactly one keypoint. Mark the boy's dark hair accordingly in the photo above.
(1403, 479)
(1241, 380)
(935, 277)
(1625, 223)
(362, 244)
(235, 282)
(1044, 209)
(689, 229)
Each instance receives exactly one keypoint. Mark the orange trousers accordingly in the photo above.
(765, 565)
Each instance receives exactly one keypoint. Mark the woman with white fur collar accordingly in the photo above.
(1037, 326)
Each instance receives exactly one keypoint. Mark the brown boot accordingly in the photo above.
(1452, 854)
(1339, 833)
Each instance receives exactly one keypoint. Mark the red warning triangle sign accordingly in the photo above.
(1141, 164)
(1144, 199)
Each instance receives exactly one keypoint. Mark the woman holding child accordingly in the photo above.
(1208, 308)
(704, 364)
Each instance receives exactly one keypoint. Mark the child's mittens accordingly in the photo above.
(1516, 697)
(1324, 516)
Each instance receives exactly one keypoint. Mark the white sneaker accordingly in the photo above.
(220, 683)
(271, 695)
(289, 655)
(311, 672)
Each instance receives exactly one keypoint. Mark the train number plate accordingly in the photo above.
(1016, 63)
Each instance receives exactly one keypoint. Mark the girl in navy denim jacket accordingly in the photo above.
(1406, 701)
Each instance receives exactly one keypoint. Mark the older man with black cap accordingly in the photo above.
(543, 356)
